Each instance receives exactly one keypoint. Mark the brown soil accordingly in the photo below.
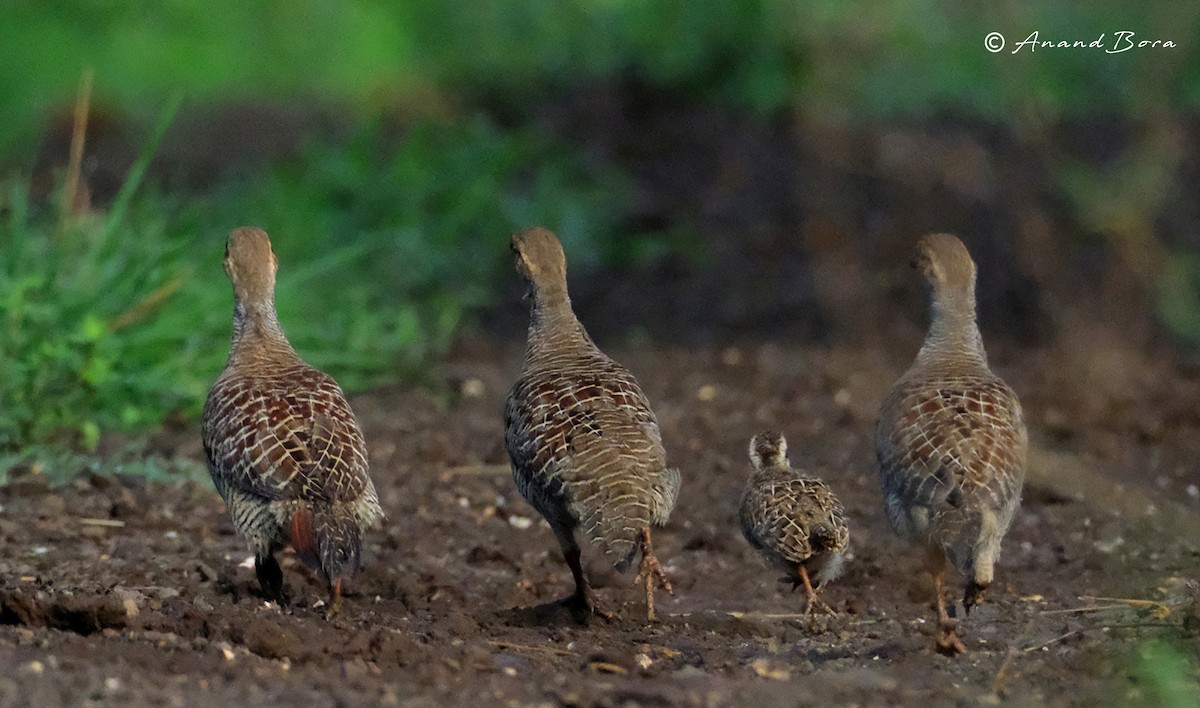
(116, 590)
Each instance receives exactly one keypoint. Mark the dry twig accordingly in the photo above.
(111, 523)
(78, 138)
(528, 647)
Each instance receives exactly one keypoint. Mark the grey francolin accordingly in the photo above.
(795, 521)
(951, 440)
(585, 447)
(283, 447)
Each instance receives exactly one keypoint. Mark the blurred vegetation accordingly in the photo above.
(120, 319)
(864, 61)
(1165, 675)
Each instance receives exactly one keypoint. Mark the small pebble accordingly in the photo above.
(473, 388)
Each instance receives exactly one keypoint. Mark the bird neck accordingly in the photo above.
(552, 323)
(953, 331)
(773, 470)
(258, 337)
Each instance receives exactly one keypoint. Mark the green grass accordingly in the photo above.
(78, 321)
(59, 464)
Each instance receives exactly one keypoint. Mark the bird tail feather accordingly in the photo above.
(615, 529)
(327, 541)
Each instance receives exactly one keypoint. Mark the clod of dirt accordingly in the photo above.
(272, 639)
(392, 648)
(82, 614)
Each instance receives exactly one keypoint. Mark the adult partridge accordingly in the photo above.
(795, 521)
(951, 440)
(283, 447)
(585, 447)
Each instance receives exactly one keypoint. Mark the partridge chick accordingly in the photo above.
(585, 447)
(951, 441)
(283, 447)
(793, 520)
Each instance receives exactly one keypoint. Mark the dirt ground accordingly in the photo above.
(114, 590)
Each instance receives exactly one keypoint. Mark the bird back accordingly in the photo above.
(791, 518)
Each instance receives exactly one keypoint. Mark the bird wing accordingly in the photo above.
(586, 449)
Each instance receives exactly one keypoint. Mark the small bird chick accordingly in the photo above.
(951, 441)
(795, 521)
(282, 444)
(585, 447)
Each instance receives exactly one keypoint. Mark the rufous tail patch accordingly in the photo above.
(304, 538)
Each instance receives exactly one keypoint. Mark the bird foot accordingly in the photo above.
(335, 600)
(584, 604)
(651, 574)
(947, 642)
(650, 571)
(815, 603)
(800, 580)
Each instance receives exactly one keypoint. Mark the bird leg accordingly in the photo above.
(335, 599)
(948, 642)
(801, 578)
(974, 595)
(650, 573)
(584, 599)
(270, 576)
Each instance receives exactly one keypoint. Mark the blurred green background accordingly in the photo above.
(716, 170)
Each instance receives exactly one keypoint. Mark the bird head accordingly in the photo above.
(540, 259)
(945, 263)
(251, 265)
(768, 449)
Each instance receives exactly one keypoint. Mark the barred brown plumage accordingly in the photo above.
(585, 447)
(282, 444)
(951, 440)
(795, 521)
